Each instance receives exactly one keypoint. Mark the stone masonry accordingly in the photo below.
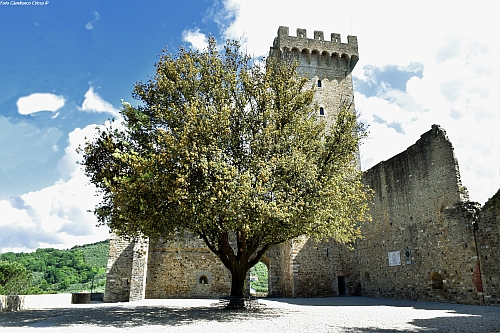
(427, 241)
(422, 217)
(184, 268)
(487, 236)
(326, 63)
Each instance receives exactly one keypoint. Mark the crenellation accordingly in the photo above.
(334, 37)
(302, 43)
(283, 31)
(318, 35)
(351, 40)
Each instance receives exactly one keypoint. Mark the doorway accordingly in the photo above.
(341, 285)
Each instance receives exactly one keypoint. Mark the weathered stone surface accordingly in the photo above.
(126, 270)
(420, 210)
(80, 298)
(327, 63)
(488, 245)
(185, 268)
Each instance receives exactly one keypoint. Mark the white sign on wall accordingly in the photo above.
(394, 258)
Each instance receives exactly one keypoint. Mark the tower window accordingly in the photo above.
(319, 83)
(321, 111)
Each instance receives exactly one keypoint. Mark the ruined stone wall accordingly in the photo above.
(139, 269)
(303, 267)
(185, 268)
(322, 269)
(488, 244)
(279, 270)
(119, 269)
(419, 213)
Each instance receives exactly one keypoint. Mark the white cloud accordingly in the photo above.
(94, 103)
(197, 39)
(455, 45)
(89, 25)
(55, 216)
(39, 102)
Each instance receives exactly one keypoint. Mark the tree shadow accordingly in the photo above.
(129, 317)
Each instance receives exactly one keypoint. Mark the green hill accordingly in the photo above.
(61, 271)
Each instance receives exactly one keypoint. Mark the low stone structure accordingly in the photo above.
(29, 302)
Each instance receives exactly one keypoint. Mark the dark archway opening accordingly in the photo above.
(341, 284)
(203, 279)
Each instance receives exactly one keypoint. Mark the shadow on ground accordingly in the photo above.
(127, 317)
(336, 314)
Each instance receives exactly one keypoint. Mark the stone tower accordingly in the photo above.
(327, 63)
(185, 268)
(302, 267)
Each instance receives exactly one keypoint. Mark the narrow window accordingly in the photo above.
(319, 83)
(321, 111)
(203, 279)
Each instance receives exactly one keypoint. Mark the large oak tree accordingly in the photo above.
(231, 150)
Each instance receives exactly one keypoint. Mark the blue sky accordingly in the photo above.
(65, 67)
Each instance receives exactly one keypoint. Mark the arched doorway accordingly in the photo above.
(259, 279)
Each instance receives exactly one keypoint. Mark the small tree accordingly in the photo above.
(232, 151)
(15, 279)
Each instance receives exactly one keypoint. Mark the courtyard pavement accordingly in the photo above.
(336, 314)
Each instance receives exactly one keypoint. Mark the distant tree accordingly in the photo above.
(230, 150)
(15, 279)
(56, 270)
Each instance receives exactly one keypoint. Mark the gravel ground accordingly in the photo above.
(337, 314)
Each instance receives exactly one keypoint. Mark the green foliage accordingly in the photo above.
(15, 279)
(231, 150)
(52, 270)
(261, 285)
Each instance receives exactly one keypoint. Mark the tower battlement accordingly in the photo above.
(333, 51)
(326, 63)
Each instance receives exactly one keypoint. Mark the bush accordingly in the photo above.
(15, 279)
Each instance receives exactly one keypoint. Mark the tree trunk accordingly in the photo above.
(239, 263)
(237, 297)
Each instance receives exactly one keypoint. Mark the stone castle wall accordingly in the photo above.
(420, 214)
(488, 245)
(185, 268)
(323, 269)
(119, 269)
(426, 242)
